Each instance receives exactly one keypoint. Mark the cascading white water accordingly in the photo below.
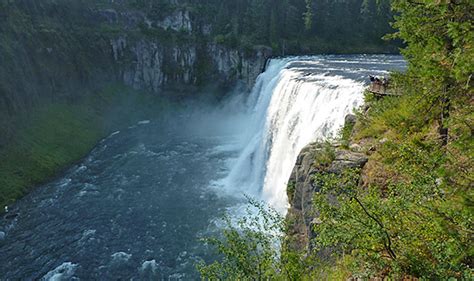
(295, 101)
(302, 111)
(155, 186)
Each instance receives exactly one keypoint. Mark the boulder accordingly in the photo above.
(350, 119)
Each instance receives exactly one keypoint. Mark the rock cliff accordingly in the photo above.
(59, 50)
(176, 51)
(315, 158)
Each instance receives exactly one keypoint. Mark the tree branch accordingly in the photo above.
(388, 243)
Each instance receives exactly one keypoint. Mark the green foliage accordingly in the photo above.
(325, 156)
(55, 137)
(417, 226)
(290, 191)
(350, 225)
(255, 248)
(248, 247)
(345, 135)
(440, 54)
(388, 115)
(296, 26)
(413, 214)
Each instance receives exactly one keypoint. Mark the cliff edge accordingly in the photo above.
(315, 159)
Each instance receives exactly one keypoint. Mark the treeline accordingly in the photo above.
(288, 26)
(297, 26)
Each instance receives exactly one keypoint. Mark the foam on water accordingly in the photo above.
(63, 272)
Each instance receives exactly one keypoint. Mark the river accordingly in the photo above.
(136, 207)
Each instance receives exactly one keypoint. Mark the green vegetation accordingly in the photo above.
(56, 135)
(297, 26)
(287, 26)
(247, 247)
(413, 214)
(346, 134)
(325, 157)
(409, 212)
(255, 248)
(290, 190)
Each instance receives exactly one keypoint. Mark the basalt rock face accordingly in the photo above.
(168, 53)
(151, 65)
(235, 64)
(58, 50)
(302, 187)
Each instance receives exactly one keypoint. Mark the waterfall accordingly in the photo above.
(295, 101)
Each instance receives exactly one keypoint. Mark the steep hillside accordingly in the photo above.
(405, 211)
(60, 58)
(51, 49)
(74, 70)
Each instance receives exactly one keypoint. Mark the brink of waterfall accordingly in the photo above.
(160, 185)
(297, 101)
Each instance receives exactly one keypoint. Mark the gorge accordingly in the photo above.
(136, 206)
(236, 140)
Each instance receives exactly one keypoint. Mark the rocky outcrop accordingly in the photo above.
(302, 187)
(155, 61)
(236, 64)
(149, 64)
(179, 20)
(77, 49)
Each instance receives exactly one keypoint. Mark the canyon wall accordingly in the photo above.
(53, 51)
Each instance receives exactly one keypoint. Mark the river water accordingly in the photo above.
(136, 207)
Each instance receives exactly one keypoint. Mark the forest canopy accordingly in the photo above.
(290, 26)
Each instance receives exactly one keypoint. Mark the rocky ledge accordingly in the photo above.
(315, 158)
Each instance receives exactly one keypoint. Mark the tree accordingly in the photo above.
(308, 15)
(412, 216)
(439, 50)
(248, 247)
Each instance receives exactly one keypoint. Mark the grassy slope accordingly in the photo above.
(57, 135)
